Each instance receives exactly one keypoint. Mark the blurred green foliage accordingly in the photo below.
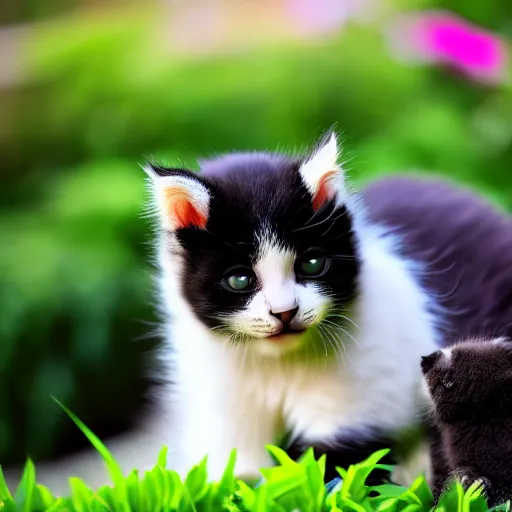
(100, 97)
(73, 291)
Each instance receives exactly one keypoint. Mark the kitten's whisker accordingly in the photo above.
(356, 342)
(320, 332)
(308, 226)
(343, 317)
(344, 331)
(347, 360)
(333, 223)
(341, 235)
(343, 257)
(223, 240)
(333, 341)
(336, 343)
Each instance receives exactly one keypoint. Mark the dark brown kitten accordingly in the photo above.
(470, 385)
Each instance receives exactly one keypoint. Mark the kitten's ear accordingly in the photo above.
(183, 200)
(428, 362)
(322, 174)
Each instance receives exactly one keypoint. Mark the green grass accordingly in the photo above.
(289, 486)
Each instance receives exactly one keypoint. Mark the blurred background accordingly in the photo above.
(90, 89)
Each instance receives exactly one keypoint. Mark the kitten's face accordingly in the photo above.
(471, 379)
(271, 263)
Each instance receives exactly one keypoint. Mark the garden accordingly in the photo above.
(89, 92)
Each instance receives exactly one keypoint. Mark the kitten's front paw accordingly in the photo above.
(468, 478)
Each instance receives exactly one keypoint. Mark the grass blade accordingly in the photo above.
(113, 467)
(23, 498)
(162, 457)
(5, 495)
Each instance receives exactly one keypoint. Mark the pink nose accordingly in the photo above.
(286, 316)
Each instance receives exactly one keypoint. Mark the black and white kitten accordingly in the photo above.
(470, 385)
(289, 311)
(295, 306)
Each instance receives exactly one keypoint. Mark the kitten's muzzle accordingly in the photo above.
(286, 318)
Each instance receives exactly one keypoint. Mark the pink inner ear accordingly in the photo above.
(181, 209)
(324, 192)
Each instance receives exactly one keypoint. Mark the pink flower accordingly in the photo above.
(445, 38)
(324, 16)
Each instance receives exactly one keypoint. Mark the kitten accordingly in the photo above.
(295, 306)
(470, 385)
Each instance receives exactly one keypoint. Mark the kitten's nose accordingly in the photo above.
(286, 316)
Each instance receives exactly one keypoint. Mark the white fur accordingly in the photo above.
(275, 271)
(447, 352)
(500, 340)
(215, 417)
(324, 160)
(235, 397)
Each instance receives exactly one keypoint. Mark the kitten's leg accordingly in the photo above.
(442, 475)
(467, 476)
(439, 466)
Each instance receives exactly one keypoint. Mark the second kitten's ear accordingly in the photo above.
(428, 362)
(322, 174)
(183, 200)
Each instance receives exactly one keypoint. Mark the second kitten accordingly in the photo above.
(470, 385)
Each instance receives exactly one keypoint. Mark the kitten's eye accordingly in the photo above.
(447, 383)
(312, 265)
(240, 280)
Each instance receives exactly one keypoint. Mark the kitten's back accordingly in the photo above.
(466, 244)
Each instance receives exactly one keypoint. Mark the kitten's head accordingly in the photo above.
(470, 380)
(266, 251)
